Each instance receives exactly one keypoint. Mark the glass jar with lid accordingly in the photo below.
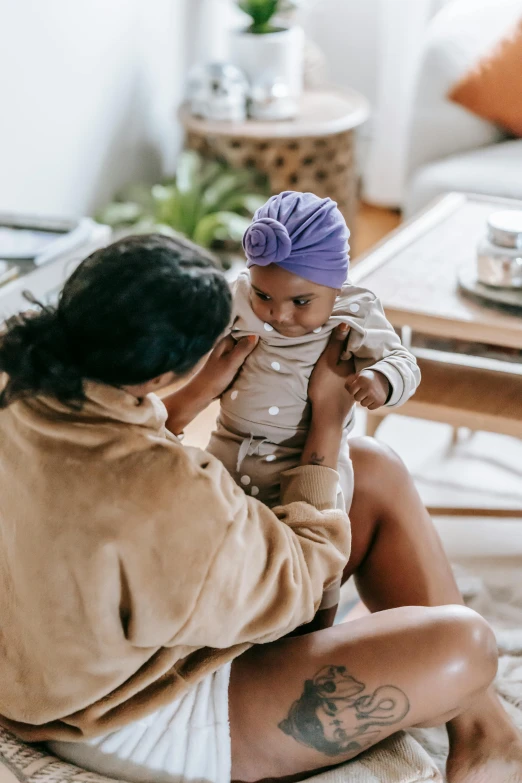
(499, 261)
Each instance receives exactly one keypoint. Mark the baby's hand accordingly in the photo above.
(369, 388)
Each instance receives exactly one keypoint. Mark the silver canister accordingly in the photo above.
(271, 99)
(217, 91)
(499, 261)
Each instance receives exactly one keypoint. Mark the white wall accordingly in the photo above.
(348, 33)
(88, 90)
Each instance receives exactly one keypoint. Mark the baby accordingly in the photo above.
(293, 295)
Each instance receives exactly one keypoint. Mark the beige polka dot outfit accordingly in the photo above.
(264, 416)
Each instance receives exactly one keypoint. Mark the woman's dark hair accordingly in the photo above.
(131, 311)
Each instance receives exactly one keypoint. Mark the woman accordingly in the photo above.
(134, 571)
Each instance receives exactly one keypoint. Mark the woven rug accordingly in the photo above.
(397, 760)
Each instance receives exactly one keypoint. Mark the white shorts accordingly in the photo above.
(187, 740)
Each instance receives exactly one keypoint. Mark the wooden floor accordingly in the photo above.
(372, 224)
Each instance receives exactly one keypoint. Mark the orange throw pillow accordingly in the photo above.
(493, 89)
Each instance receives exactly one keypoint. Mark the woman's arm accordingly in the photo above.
(260, 573)
(249, 574)
(209, 566)
(220, 568)
(330, 401)
(330, 406)
(216, 375)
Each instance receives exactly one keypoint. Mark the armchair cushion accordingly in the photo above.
(493, 88)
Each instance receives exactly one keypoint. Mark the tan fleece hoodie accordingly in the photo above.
(131, 567)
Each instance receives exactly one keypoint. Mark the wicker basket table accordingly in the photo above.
(314, 152)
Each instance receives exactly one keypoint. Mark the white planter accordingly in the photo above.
(277, 55)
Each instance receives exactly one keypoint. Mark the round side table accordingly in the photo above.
(315, 152)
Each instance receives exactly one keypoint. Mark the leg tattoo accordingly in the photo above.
(335, 717)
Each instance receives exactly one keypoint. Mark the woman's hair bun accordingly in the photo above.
(142, 307)
(35, 356)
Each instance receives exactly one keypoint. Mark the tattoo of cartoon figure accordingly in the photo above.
(334, 715)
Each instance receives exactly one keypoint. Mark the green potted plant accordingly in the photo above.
(266, 48)
(207, 201)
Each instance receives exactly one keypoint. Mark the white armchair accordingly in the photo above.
(450, 148)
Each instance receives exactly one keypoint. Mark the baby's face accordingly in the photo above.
(292, 305)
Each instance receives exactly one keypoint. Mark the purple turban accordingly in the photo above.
(302, 233)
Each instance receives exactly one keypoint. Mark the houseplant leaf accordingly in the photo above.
(220, 227)
(138, 193)
(189, 186)
(261, 12)
(243, 203)
(201, 189)
(120, 213)
(223, 187)
(149, 226)
(167, 206)
(189, 171)
(211, 171)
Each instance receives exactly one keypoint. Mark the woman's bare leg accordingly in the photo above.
(397, 557)
(308, 702)
(397, 560)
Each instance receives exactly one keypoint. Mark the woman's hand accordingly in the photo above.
(331, 403)
(222, 366)
(214, 377)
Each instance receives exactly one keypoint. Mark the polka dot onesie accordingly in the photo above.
(264, 416)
